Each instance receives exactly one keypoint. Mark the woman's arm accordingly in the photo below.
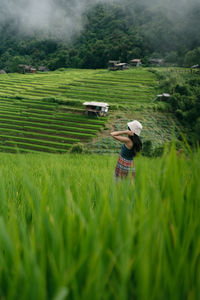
(117, 135)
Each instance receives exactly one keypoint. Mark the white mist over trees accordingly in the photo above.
(58, 19)
(61, 19)
(87, 33)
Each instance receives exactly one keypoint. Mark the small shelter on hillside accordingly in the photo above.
(156, 61)
(2, 72)
(112, 64)
(26, 69)
(96, 108)
(43, 69)
(115, 65)
(162, 97)
(136, 62)
(195, 68)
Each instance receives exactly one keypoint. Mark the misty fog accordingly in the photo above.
(61, 19)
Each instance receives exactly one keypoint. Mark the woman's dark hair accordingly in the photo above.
(137, 144)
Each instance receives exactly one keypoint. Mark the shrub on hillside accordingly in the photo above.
(168, 83)
(179, 114)
(147, 149)
(61, 69)
(182, 89)
(77, 148)
(158, 151)
(163, 107)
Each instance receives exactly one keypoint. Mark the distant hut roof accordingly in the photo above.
(195, 67)
(164, 95)
(156, 60)
(2, 72)
(114, 61)
(121, 64)
(100, 104)
(42, 68)
(136, 60)
(28, 67)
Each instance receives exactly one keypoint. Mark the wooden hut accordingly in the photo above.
(96, 108)
(27, 69)
(162, 97)
(115, 65)
(136, 62)
(195, 69)
(43, 69)
(112, 65)
(156, 61)
(33, 70)
(122, 66)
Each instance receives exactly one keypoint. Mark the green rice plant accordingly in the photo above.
(27, 129)
(35, 141)
(43, 126)
(32, 147)
(31, 120)
(69, 231)
(11, 149)
(51, 137)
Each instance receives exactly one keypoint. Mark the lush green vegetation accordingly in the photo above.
(184, 86)
(69, 231)
(125, 30)
(36, 113)
(44, 112)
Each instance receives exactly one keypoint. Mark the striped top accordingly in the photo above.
(126, 153)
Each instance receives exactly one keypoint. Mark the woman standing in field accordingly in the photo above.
(131, 146)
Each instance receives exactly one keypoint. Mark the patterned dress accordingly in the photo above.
(125, 163)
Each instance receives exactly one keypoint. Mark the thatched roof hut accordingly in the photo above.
(136, 62)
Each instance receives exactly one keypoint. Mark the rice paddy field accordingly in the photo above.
(44, 112)
(69, 231)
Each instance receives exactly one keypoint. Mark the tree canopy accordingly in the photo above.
(121, 31)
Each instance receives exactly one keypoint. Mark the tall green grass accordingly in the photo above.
(69, 231)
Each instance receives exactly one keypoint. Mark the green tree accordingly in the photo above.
(13, 63)
(192, 57)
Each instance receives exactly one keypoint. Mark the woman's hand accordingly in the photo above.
(129, 132)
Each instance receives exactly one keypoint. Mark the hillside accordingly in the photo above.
(44, 112)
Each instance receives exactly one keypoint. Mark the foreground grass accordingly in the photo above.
(69, 231)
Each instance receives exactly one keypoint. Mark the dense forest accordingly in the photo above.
(116, 30)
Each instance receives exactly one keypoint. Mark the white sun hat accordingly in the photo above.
(135, 127)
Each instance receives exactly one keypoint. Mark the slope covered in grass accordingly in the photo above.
(69, 231)
(44, 112)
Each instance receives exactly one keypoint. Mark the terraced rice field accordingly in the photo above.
(44, 112)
